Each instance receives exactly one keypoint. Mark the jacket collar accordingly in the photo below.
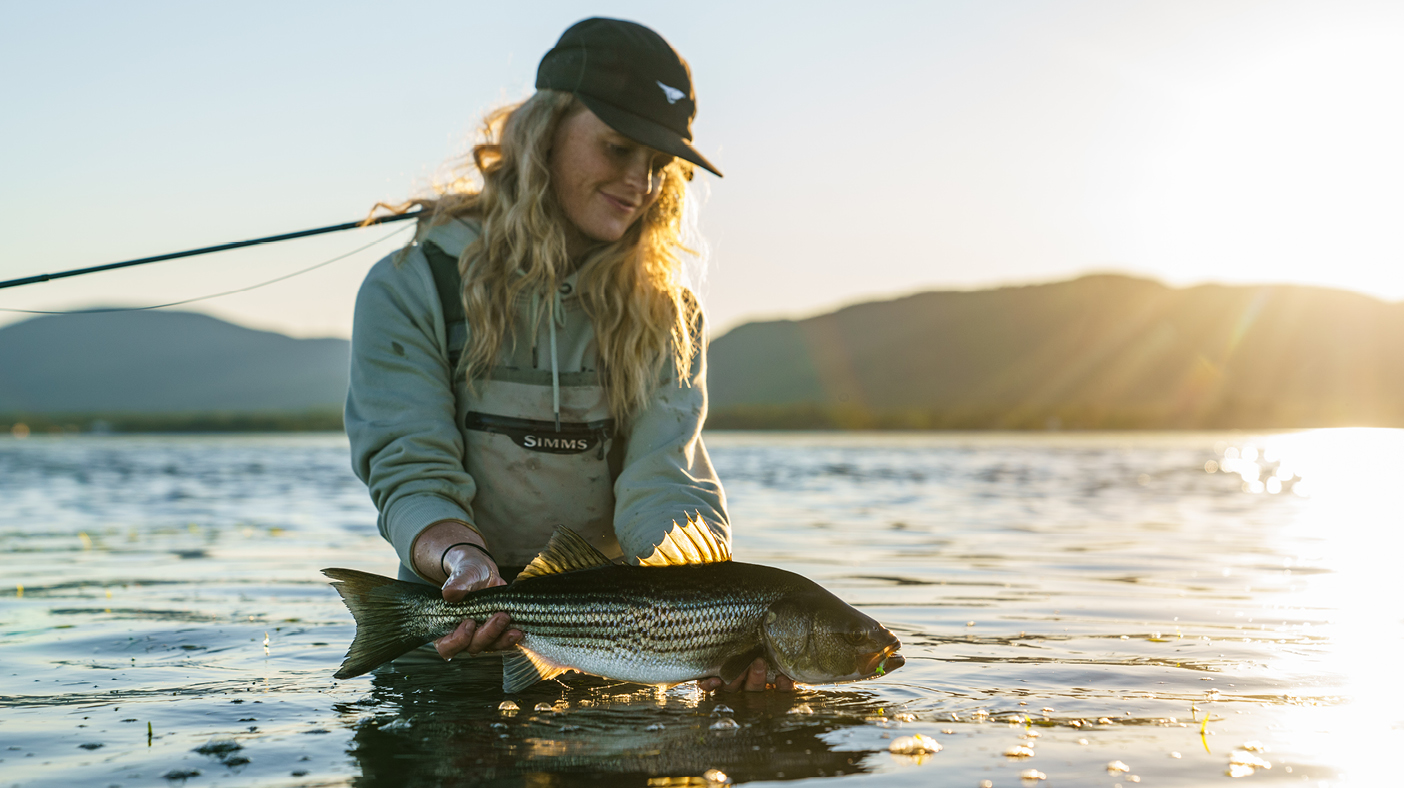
(452, 236)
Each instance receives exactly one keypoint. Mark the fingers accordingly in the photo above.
(452, 644)
(470, 570)
(506, 641)
(755, 676)
(493, 635)
(489, 633)
(753, 680)
(744, 681)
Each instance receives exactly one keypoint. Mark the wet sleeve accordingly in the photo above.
(667, 475)
(400, 413)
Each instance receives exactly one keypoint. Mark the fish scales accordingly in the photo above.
(659, 623)
(657, 620)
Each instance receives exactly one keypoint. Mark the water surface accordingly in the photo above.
(1089, 598)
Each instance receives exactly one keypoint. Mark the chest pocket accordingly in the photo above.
(543, 436)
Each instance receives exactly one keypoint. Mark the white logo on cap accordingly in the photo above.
(672, 93)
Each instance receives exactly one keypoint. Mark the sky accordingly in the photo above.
(870, 150)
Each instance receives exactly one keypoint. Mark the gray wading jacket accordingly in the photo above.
(431, 449)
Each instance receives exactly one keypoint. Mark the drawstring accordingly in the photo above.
(555, 316)
(556, 313)
(535, 325)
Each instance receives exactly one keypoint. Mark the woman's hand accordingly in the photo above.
(463, 568)
(753, 680)
(470, 569)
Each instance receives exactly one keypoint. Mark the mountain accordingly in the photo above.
(146, 362)
(1096, 352)
(1099, 351)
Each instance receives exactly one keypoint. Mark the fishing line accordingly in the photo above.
(212, 295)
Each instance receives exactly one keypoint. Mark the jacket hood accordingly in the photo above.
(454, 236)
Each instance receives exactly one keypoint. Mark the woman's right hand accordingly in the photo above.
(443, 551)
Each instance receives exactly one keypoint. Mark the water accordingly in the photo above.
(1088, 599)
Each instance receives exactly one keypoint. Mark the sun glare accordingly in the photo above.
(1348, 539)
(1287, 169)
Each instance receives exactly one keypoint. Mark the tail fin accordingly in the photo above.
(381, 607)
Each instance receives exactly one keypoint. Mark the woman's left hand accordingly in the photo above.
(454, 551)
(470, 570)
(753, 680)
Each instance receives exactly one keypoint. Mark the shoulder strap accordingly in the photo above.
(444, 268)
(447, 281)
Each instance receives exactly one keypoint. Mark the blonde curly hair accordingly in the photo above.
(633, 289)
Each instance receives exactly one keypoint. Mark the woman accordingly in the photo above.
(533, 359)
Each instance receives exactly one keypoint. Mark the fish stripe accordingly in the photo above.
(647, 624)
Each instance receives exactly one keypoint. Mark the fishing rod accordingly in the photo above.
(29, 280)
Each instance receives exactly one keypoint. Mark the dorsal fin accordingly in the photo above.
(693, 543)
(566, 552)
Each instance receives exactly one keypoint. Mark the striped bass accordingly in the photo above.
(688, 612)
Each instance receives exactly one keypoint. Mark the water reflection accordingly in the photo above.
(1102, 591)
(1342, 552)
(443, 724)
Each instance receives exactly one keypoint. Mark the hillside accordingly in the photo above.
(1099, 351)
(149, 362)
(1096, 352)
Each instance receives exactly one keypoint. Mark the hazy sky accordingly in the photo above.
(870, 149)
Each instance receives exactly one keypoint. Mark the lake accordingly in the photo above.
(1075, 609)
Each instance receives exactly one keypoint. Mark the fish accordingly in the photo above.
(684, 613)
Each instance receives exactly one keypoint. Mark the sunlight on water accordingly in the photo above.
(1352, 534)
(1091, 608)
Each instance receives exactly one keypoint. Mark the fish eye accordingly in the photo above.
(855, 638)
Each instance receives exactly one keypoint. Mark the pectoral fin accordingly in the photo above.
(526, 667)
(738, 664)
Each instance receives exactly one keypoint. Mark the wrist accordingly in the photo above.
(433, 543)
(469, 547)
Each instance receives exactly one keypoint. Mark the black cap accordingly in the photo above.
(631, 79)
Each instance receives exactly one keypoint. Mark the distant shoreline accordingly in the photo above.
(317, 420)
(1228, 416)
(1102, 352)
(796, 418)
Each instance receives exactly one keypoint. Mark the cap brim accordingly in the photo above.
(647, 132)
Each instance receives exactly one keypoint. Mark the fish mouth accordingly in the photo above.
(884, 661)
(893, 662)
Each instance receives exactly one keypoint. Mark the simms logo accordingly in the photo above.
(545, 436)
(538, 442)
